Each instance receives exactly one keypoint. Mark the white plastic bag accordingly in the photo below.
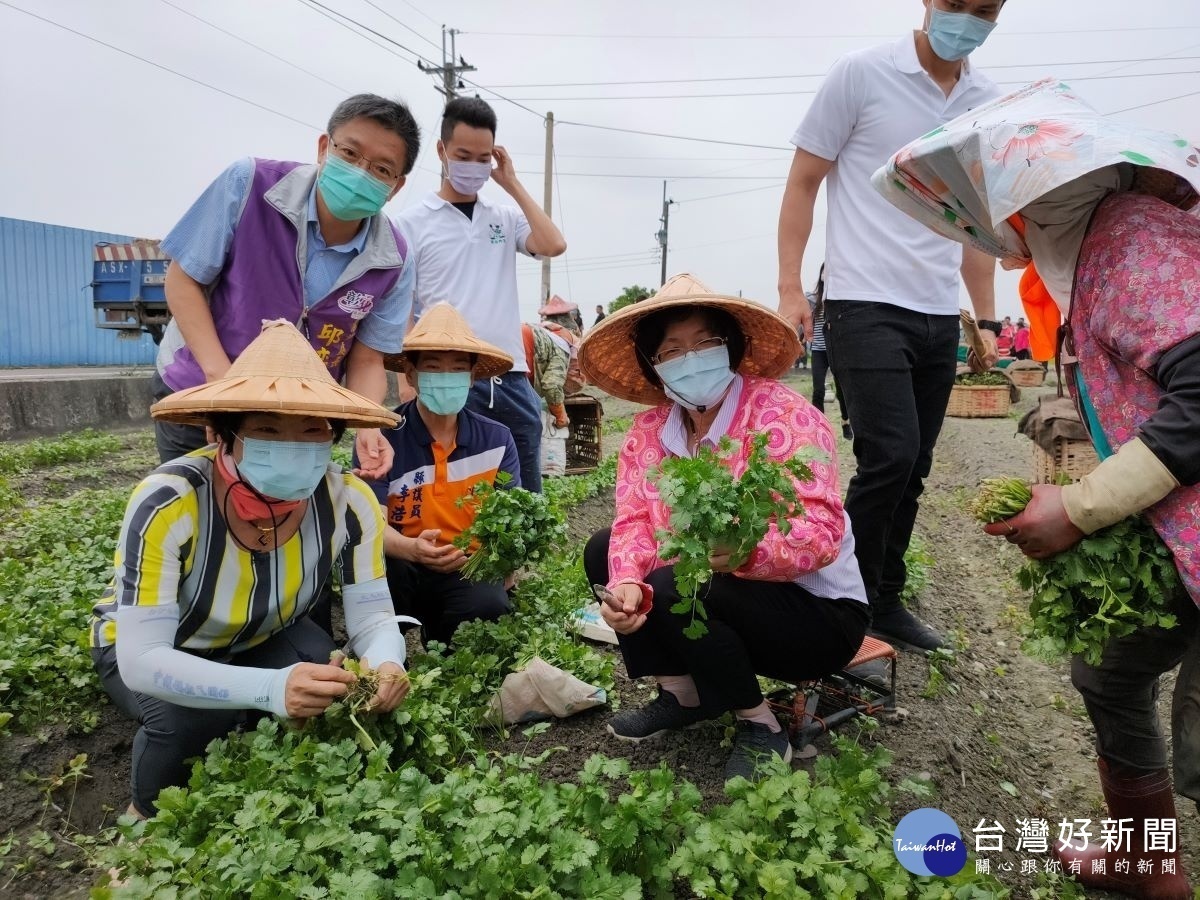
(554, 446)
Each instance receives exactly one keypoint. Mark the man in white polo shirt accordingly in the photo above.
(891, 311)
(465, 251)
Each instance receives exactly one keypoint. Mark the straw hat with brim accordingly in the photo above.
(609, 360)
(280, 373)
(443, 328)
(556, 306)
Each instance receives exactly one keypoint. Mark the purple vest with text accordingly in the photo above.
(262, 280)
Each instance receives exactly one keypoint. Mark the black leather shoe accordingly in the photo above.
(901, 627)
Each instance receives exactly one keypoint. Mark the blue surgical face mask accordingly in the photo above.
(349, 192)
(698, 379)
(467, 178)
(954, 35)
(284, 470)
(443, 393)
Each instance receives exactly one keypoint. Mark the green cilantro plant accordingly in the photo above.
(512, 527)
(712, 511)
(1113, 582)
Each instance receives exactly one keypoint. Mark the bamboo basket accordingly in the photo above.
(978, 401)
(1027, 377)
(1072, 459)
(583, 445)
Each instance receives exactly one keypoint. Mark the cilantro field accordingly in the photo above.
(433, 802)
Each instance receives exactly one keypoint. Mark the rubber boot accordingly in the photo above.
(1138, 798)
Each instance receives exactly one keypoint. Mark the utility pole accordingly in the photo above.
(662, 233)
(450, 68)
(547, 197)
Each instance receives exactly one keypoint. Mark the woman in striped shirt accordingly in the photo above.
(223, 554)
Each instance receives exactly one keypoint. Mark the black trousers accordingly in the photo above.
(1121, 696)
(173, 441)
(820, 367)
(771, 628)
(511, 401)
(170, 734)
(896, 368)
(442, 601)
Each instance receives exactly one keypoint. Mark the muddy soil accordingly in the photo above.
(1003, 738)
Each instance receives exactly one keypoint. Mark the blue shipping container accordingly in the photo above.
(45, 295)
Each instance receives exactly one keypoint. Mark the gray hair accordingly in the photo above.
(392, 115)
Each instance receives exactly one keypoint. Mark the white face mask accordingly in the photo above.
(467, 178)
(698, 379)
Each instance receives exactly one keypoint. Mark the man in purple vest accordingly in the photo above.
(307, 243)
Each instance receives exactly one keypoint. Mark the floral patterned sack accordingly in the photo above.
(966, 178)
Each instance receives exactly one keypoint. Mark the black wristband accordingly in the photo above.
(990, 325)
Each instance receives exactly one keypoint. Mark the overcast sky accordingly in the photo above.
(96, 138)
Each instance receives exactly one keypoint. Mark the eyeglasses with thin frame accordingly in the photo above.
(673, 353)
(383, 171)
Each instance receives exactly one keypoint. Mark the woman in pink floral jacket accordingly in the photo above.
(797, 608)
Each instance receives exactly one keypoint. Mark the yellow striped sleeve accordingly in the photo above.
(362, 557)
(160, 522)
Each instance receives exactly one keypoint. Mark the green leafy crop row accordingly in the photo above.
(81, 447)
(281, 813)
(54, 562)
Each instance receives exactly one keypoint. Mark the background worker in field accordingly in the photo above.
(465, 248)
(270, 239)
(547, 355)
(891, 307)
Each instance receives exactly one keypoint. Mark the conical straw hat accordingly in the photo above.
(556, 306)
(279, 372)
(442, 327)
(609, 361)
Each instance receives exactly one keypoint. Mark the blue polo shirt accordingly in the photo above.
(427, 479)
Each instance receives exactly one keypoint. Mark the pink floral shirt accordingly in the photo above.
(1135, 299)
(791, 424)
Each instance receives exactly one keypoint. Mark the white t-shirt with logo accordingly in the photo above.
(470, 264)
(871, 104)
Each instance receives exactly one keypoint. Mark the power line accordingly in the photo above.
(707, 244)
(175, 72)
(1081, 62)
(623, 97)
(664, 177)
(345, 21)
(314, 7)
(238, 37)
(676, 137)
(350, 19)
(804, 37)
(418, 9)
(754, 159)
(500, 96)
(765, 187)
(433, 44)
(649, 261)
(1152, 103)
(609, 257)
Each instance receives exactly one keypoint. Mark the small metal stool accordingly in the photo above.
(815, 707)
